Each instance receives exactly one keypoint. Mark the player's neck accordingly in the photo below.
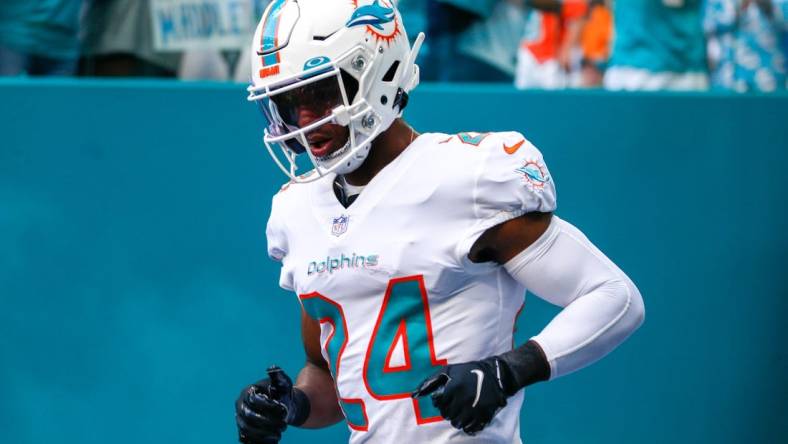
(385, 148)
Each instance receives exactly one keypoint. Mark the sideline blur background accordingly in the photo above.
(136, 296)
(735, 45)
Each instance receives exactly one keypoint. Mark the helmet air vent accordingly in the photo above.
(323, 38)
(391, 72)
(351, 85)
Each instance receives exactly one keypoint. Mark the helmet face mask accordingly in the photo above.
(338, 92)
(289, 110)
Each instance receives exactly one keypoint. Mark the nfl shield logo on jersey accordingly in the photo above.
(339, 226)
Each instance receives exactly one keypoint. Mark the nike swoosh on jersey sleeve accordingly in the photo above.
(513, 149)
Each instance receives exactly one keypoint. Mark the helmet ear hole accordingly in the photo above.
(401, 99)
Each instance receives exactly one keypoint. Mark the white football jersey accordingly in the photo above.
(391, 284)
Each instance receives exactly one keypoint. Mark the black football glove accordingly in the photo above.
(469, 395)
(264, 410)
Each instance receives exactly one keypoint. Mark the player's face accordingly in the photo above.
(310, 103)
(325, 140)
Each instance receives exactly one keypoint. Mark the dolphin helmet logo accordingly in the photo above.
(374, 15)
(379, 19)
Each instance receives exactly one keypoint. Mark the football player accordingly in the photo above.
(410, 253)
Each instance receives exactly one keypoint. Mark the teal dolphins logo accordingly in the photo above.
(374, 15)
(534, 174)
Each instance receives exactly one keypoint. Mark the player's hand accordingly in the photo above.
(263, 410)
(468, 395)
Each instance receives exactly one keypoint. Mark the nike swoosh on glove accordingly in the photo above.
(468, 395)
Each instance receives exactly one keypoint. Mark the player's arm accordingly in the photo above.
(315, 380)
(602, 306)
(514, 200)
(554, 260)
(514, 197)
(265, 409)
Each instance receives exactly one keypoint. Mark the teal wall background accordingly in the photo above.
(136, 298)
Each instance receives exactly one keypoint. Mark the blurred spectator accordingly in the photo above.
(659, 44)
(546, 51)
(492, 42)
(224, 64)
(206, 64)
(472, 40)
(745, 44)
(595, 40)
(243, 66)
(39, 37)
(785, 49)
(414, 15)
(117, 40)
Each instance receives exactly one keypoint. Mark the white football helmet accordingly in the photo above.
(352, 56)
